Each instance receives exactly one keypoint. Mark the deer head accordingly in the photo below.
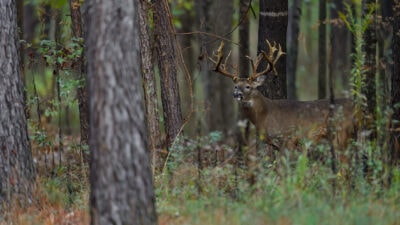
(246, 88)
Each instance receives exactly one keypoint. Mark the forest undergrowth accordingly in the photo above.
(203, 183)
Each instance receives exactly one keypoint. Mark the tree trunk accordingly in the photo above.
(166, 47)
(273, 21)
(244, 49)
(120, 174)
(292, 46)
(79, 67)
(218, 90)
(322, 50)
(339, 60)
(395, 137)
(369, 89)
(188, 62)
(16, 163)
(383, 98)
(150, 87)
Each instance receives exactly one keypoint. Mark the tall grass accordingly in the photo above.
(295, 189)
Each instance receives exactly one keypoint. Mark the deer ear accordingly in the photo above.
(259, 81)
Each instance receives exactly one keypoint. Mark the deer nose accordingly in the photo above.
(238, 95)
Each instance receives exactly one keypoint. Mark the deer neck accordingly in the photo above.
(256, 107)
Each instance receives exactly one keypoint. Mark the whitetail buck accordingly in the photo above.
(289, 120)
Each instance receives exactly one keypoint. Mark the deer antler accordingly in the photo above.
(219, 66)
(272, 49)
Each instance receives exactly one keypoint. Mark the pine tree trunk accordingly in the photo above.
(395, 137)
(150, 87)
(76, 19)
(339, 63)
(322, 50)
(16, 163)
(120, 174)
(244, 49)
(292, 46)
(218, 90)
(369, 89)
(273, 21)
(166, 47)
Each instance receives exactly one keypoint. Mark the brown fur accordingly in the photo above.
(289, 118)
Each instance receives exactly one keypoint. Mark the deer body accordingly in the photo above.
(285, 118)
(296, 119)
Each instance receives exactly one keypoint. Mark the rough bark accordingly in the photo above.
(273, 21)
(292, 46)
(120, 174)
(339, 60)
(395, 136)
(369, 89)
(79, 67)
(322, 50)
(244, 49)
(16, 163)
(166, 48)
(149, 86)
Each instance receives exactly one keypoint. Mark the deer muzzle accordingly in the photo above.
(238, 95)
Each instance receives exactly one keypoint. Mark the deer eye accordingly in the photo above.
(236, 86)
(248, 87)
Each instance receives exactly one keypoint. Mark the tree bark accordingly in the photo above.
(322, 50)
(76, 19)
(120, 174)
(292, 46)
(16, 163)
(273, 21)
(150, 87)
(244, 49)
(395, 136)
(218, 90)
(369, 89)
(339, 62)
(166, 47)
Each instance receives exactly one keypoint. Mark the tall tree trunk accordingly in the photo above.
(395, 136)
(322, 50)
(187, 60)
(242, 132)
(244, 49)
(273, 21)
(292, 46)
(369, 89)
(384, 30)
(120, 174)
(76, 19)
(166, 47)
(16, 163)
(218, 91)
(20, 22)
(339, 60)
(149, 86)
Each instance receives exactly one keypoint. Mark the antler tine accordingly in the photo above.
(254, 65)
(279, 54)
(270, 58)
(262, 55)
(272, 49)
(219, 66)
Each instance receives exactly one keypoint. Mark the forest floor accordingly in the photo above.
(295, 191)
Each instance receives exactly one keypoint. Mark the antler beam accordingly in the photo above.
(219, 66)
(275, 52)
(272, 57)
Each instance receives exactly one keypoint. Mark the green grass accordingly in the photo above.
(274, 201)
(295, 191)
